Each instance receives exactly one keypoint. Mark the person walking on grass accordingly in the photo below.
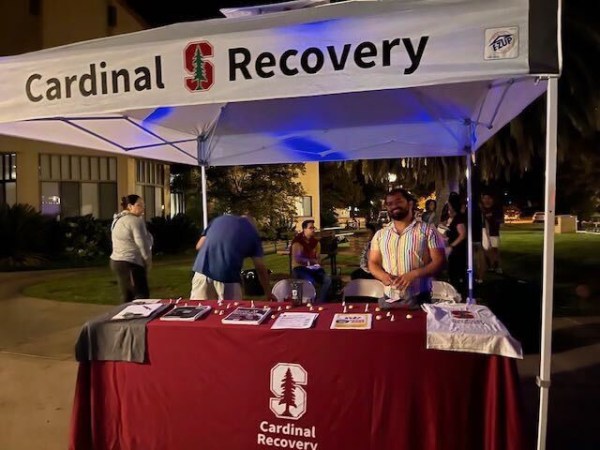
(492, 219)
(131, 257)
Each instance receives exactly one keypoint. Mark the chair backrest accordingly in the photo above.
(363, 288)
(282, 290)
(442, 292)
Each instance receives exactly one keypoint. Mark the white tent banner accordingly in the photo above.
(361, 47)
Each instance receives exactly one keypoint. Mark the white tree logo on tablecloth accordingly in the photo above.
(289, 401)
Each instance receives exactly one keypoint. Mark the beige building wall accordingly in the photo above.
(16, 17)
(311, 184)
(67, 21)
(28, 169)
(60, 22)
(29, 25)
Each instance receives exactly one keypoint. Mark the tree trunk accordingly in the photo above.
(448, 180)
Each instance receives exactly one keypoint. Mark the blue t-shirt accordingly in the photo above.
(229, 240)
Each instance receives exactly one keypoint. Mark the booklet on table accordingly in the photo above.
(188, 313)
(137, 311)
(247, 316)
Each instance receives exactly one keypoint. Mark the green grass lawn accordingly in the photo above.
(577, 260)
(168, 279)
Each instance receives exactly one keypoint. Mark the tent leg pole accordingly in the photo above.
(543, 379)
(469, 160)
(204, 199)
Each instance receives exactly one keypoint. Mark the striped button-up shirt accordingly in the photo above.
(406, 251)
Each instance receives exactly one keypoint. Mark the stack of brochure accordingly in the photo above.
(247, 316)
(189, 313)
(347, 321)
(294, 320)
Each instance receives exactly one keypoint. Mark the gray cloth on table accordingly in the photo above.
(103, 339)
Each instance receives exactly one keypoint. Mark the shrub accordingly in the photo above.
(85, 237)
(27, 238)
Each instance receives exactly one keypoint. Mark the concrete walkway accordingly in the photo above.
(37, 371)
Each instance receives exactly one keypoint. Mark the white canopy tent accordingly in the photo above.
(352, 80)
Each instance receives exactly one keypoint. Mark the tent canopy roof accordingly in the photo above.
(352, 80)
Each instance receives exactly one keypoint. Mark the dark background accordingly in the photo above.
(173, 11)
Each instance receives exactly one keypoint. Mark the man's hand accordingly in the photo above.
(405, 280)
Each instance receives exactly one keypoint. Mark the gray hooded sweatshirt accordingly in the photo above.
(131, 241)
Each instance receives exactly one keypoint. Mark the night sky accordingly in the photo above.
(173, 11)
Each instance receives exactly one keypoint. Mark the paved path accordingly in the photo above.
(37, 371)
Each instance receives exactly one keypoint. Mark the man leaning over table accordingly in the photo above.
(406, 254)
(222, 248)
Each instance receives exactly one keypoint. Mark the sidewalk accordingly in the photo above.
(37, 371)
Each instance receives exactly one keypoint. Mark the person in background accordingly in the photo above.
(306, 251)
(492, 219)
(456, 250)
(131, 256)
(430, 214)
(363, 271)
(406, 254)
(222, 248)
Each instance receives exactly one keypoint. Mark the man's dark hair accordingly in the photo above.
(403, 192)
(306, 223)
(455, 202)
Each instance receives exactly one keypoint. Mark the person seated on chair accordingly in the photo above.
(306, 251)
(406, 254)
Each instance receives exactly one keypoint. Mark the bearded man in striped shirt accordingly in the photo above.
(406, 254)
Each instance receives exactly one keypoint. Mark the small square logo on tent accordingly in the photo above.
(501, 43)
(202, 71)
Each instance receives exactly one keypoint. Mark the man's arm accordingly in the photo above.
(263, 275)
(437, 258)
(376, 268)
(299, 256)
(200, 242)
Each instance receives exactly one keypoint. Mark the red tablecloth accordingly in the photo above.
(212, 386)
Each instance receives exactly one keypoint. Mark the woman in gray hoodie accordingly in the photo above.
(131, 257)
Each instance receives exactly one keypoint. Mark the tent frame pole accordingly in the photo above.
(469, 173)
(543, 380)
(201, 148)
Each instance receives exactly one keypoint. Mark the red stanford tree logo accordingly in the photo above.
(289, 398)
(202, 71)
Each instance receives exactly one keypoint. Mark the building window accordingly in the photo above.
(304, 206)
(150, 185)
(8, 178)
(78, 185)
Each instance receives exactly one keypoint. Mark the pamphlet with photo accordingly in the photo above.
(188, 313)
(247, 316)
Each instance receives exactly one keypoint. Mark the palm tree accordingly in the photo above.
(516, 146)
